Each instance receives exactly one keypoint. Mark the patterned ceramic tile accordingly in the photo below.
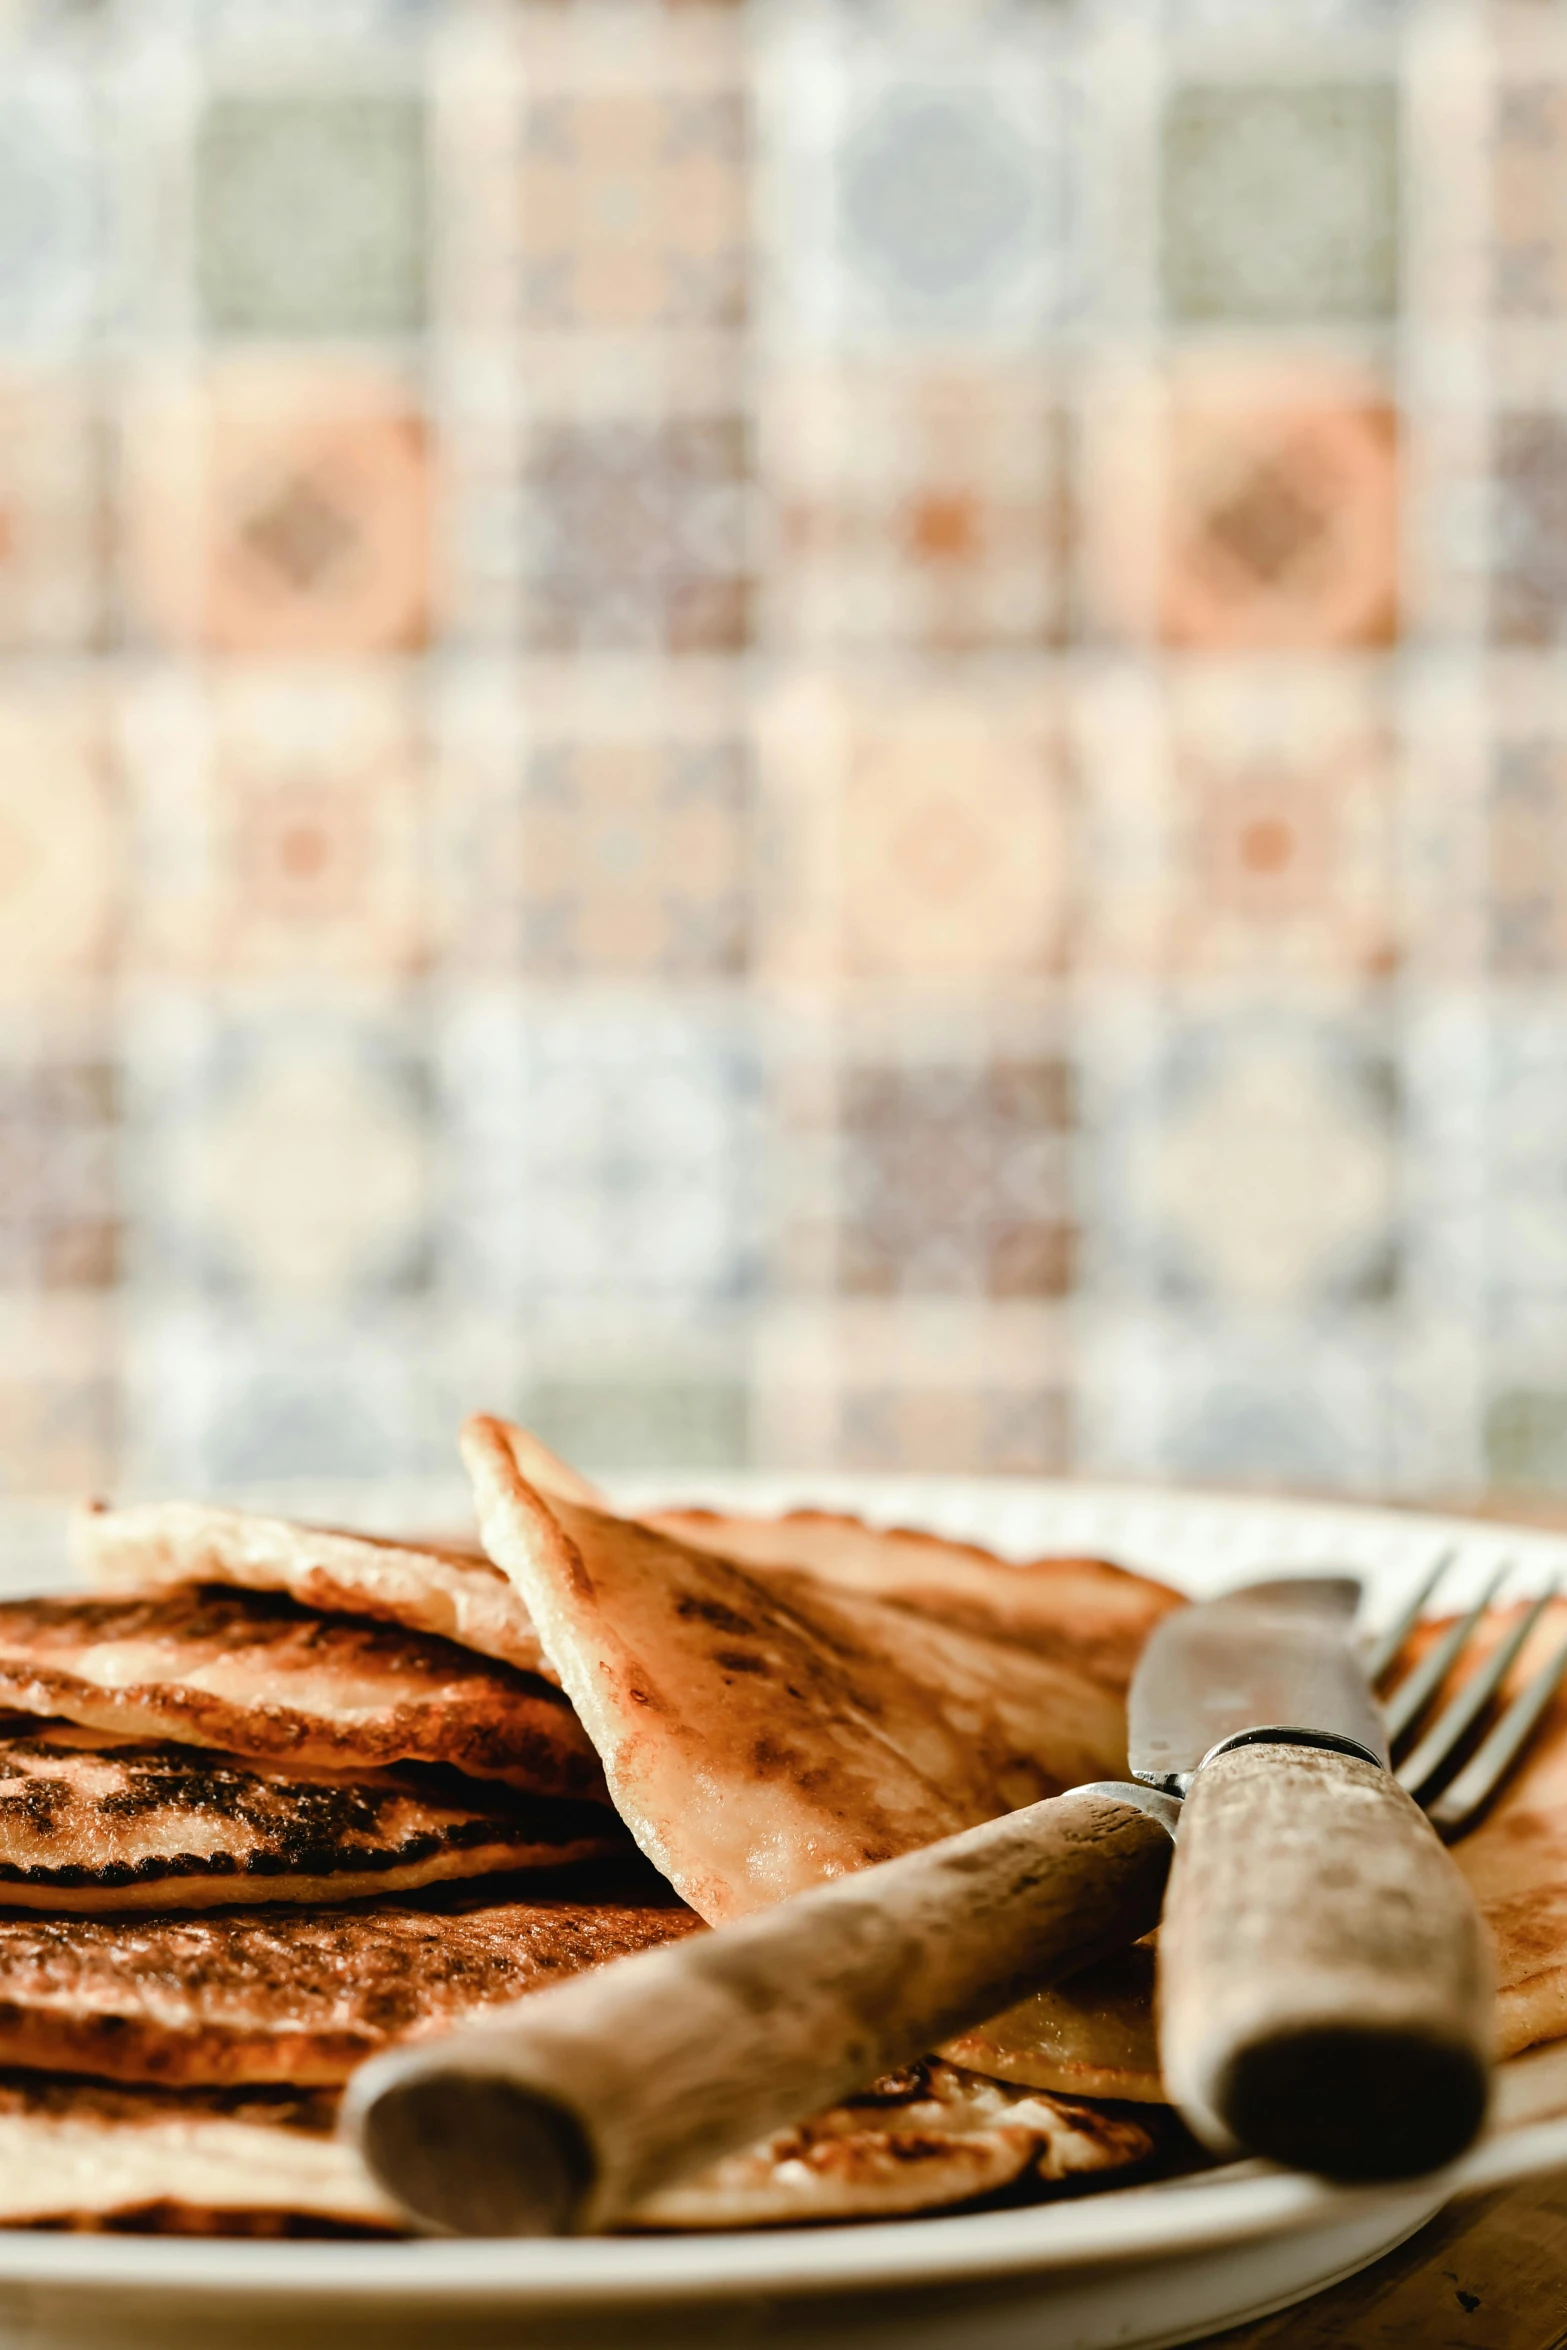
(582, 832)
(1226, 1404)
(249, 1404)
(1526, 1439)
(822, 730)
(920, 507)
(1282, 808)
(915, 1384)
(956, 1179)
(962, 1429)
(916, 180)
(636, 859)
(633, 209)
(275, 1155)
(59, 1397)
(1280, 201)
(1526, 1160)
(1529, 529)
(1251, 17)
(921, 836)
(311, 212)
(1528, 190)
(1527, 906)
(51, 517)
(633, 1423)
(1251, 1164)
(634, 535)
(59, 1214)
(281, 512)
(576, 1136)
(1281, 517)
(60, 872)
(278, 823)
(49, 228)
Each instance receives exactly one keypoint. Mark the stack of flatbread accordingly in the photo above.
(274, 1798)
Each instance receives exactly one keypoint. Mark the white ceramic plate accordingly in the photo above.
(1134, 2268)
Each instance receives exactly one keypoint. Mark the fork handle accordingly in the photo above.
(1324, 1981)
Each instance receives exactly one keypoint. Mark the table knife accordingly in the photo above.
(1324, 1991)
(560, 2114)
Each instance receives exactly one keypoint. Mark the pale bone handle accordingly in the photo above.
(1324, 1982)
(565, 2112)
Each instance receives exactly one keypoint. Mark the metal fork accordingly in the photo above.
(1423, 1756)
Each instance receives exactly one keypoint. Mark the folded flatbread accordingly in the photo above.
(92, 1823)
(87, 2154)
(1079, 1611)
(256, 1674)
(225, 1998)
(449, 1587)
(760, 1732)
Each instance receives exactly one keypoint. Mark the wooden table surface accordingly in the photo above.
(1486, 2275)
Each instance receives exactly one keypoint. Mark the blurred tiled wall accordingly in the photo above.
(830, 734)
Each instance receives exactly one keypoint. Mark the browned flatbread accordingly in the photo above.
(760, 1733)
(1080, 1611)
(231, 1997)
(255, 1674)
(1515, 1861)
(918, 2140)
(86, 2154)
(90, 1823)
(448, 1587)
(1093, 2036)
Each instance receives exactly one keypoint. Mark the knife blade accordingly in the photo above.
(1275, 1651)
(1324, 1995)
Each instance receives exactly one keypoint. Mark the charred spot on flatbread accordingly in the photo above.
(90, 1823)
(256, 1674)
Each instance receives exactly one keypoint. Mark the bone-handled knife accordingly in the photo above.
(1324, 1986)
(1317, 1938)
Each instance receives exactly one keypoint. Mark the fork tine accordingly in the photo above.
(1454, 1723)
(1410, 1699)
(1485, 1770)
(1381, 1655)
